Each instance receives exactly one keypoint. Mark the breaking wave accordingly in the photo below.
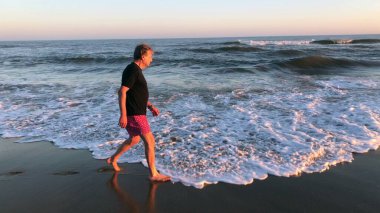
(347, 41)
(309, 64)
(227, 49)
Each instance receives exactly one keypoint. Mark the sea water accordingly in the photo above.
(232, 109)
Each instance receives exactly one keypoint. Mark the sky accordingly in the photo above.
(122, 19)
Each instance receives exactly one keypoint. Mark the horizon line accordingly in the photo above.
(200, 37)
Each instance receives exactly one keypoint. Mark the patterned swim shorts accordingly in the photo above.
(137, 125)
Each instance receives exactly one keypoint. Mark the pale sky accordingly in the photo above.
(108, 19)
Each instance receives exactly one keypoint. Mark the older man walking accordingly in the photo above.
(133, 102)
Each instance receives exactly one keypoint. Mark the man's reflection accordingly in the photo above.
(131, 204)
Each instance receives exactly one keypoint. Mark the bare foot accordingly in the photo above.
(159, 178)
(114, 164)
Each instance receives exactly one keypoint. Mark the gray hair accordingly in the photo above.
(141, 50)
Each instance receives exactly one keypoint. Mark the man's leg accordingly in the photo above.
(149, 144)
(127, 144)
(131, 203)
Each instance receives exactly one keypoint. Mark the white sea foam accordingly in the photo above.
(278, 43)
(282, 134)
(234, 137)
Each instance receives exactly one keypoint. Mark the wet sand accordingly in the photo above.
(39, 177)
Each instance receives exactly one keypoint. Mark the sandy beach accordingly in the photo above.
(40, 177)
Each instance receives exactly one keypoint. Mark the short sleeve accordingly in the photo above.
(129, 78)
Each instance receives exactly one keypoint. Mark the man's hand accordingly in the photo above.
(123, 121)
(154, 110)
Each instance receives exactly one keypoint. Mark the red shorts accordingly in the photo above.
(137, 125)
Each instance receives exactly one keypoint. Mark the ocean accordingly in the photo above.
(233, 110)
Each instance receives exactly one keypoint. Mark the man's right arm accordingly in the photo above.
(123, 107)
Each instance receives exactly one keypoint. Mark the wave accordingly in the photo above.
(231, 43)
(341, 41)
(317, 63)
(91, 59)
(200, 50)
(83, 59)
(366, 41)
(225, 49)
(188, 62)
(234, 70)
(238, 49)
(299, 42)
(289, 52)
(347, 41)
(218, 43)
(277, 43)
(3, 46)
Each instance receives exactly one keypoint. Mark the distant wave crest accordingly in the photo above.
(278, 43)
(231, 43)
(81, 59)
(90, 59)
(226, 49)
(289, 52)
(347, 41)
(239, 49)
(312, 63)
(3, 46)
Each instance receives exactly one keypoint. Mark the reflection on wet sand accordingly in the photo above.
(129, 202)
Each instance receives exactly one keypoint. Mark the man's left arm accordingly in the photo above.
(153, 109)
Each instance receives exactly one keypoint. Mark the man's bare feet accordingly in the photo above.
(114, 164)
(159, 178)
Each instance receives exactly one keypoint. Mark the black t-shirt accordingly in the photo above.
(137, 95)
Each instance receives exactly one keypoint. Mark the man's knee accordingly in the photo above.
(148, 138)
(133, 140)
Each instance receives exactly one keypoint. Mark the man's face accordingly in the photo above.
(147, 58)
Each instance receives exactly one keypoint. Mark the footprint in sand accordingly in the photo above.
(110, 170)
(105, 169)
(5, 176)
(12, 173)
(66, 173)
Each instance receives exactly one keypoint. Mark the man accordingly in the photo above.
(133, 101)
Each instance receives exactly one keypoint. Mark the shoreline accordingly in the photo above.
(40, 177)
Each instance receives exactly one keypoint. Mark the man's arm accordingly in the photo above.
(122, 105)
(153, 109)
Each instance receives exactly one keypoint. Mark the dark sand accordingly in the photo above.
(39, 177)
